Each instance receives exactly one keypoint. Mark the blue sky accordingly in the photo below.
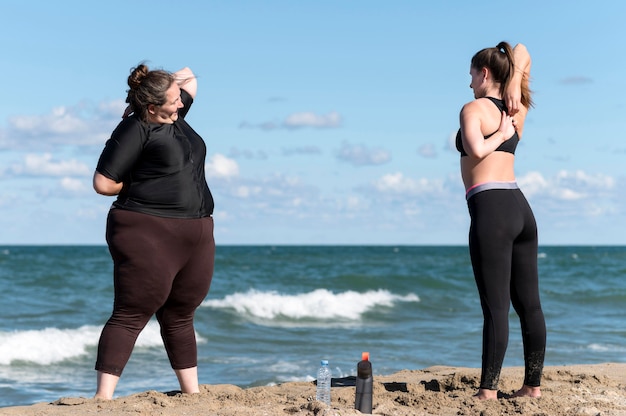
(326, 122)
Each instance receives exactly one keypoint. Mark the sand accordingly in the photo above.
(588, 390)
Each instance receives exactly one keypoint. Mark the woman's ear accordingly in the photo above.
(151, 109)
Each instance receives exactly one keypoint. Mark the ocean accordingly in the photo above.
(274, 312)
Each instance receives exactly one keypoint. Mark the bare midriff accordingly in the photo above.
(496, 167)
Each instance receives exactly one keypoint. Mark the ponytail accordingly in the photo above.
(501, 63)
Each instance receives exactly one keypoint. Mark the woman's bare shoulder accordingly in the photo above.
(479, 105)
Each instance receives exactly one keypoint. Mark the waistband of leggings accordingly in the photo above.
(486, 186)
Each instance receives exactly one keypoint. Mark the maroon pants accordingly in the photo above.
(162, 266)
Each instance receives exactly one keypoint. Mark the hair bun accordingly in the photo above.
(137, 75)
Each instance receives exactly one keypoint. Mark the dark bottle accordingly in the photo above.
(364, 385)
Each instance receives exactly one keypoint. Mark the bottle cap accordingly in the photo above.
(364, 367)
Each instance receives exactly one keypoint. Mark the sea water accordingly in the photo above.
(410, 307)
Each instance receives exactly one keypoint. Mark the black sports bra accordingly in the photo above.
(508, 146)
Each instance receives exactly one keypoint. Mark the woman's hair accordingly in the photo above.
(147, 87)
(500, 62)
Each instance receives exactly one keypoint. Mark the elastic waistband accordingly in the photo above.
(488, 186)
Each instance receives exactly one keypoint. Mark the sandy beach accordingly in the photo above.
(588, 390)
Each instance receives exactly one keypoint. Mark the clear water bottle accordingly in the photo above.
(324, 376)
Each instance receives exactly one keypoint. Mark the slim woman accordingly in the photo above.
(159, 229)
(503, 232)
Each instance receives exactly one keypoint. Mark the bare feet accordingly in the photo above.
(484, 394)
(528, 391)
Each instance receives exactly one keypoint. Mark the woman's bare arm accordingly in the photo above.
(106, 186)
(513, 94)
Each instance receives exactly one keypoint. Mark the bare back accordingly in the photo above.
(480, 118)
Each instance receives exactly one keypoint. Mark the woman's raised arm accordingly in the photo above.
(513, 93)
(187, 81)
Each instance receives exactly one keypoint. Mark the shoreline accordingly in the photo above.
(587, 389)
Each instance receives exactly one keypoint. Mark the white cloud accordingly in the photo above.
(353, 203)
(74, 185)
(360, 155)
(566, 186)
(451, 142)
(268, 125)
(247, 154)
(427, 150)
(61, 120)
(303, 150)
(45, 165)
(245, 192)
(572, 198)
(309, 119)
(261, 196)
(220, 166)
(299, 120)
(347, 206)
(397, 183)
(81, 124)
(579, 177)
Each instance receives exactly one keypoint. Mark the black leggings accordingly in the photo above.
(162, 266)
(503, 248)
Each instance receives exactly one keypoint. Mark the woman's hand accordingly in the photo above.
(513, 96)
(187, 81)
(507, 126)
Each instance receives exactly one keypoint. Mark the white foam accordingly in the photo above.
(606, 348)
(320, 304)
(46, 346)
(51, 345)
